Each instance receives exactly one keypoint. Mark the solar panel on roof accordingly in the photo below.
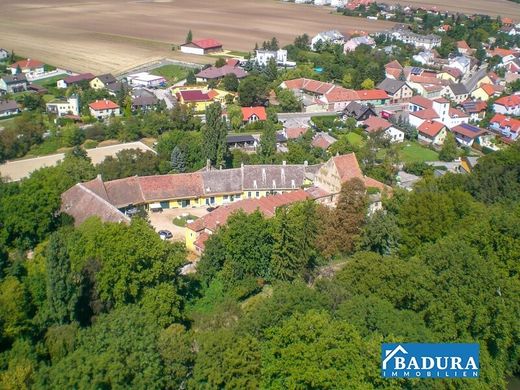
(416, 71)
(470, 127)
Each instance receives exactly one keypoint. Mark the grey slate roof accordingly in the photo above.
(459, 89)
(107, 78)
(14, 78)
(391, 86)
(8, 105)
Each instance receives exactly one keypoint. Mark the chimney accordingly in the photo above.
(283, 175)
(305, 163)
(208, 164)
(264, 176)
(284, 162)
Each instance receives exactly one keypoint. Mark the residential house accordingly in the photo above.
(64, 107)
(453, 75)
(375, 97)
(358, 111)
(461, 63)
(146, 80)
(8, 108)
(27, 66)
(463, 48)
(508, 105)
(327, 37)
(254, 114)
(507, 126)
(115, 88)
(75, 80)
(144, 100)
(475, 109)
(103, 109)
(200, 98)
(353, 43)
(506, 55)
(262, 57)
(398, 91)
(375, 124)
(323, 140)
(339, 98)
(424, 57)
(14, 83)
(421, 110)
(216, 73)
(4, 54)
(241, 141)
(202, 47)
(102, 81)
(394, 70)
(405, 35)
(432, 132)
(467, 135)
(486, 92)
(457, 92)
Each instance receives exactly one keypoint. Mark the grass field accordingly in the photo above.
(182, 221)
(172, 73)
(50, 82)
(354, 139)
(413, 152)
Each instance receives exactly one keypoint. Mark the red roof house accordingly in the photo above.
(27, 66)
(202, 46)
(253, 114)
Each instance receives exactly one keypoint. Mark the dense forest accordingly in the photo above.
(300, 300)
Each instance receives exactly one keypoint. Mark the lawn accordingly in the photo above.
(354, 139)
(182, 220)
(172, 73)
(413, 152)
(50, 82)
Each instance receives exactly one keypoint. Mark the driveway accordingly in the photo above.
(163, 220)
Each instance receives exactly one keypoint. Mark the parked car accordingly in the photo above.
(165, 234)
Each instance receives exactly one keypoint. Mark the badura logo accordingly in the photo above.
(417, 360)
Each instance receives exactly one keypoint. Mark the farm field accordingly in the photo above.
(115, 35)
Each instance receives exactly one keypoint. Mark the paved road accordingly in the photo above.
(166, 96)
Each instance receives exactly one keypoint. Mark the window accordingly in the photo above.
(249, 194)
(257, 194)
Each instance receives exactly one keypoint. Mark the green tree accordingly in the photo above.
(271, 70)
(178, 161)
(189, 37)
(449, 149)
(129, 162)
(230, 82)
(214, 135)
(268, 142)
(190, 78)
(253, 91)
(220, 62)
(367, 84)
(288, 101)
(72, 135)
(381, 233)
(14, 309)
(235, 116)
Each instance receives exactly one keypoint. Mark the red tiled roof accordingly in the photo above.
(266, 205)
(463, 45)
(372, 94)
(79, 77)
(374, 123)
(441, 100)
(421, 101)
(466, 130)
(259, 111)
(394, 65)
(295, 132)
(200, 242)
(162, 187)
(509, 101)
(340, 94)
(347, 167)
(27, 64)
(456, 113)
(103, 105)
(488, 89)
(396, 73)
(193, 95)
(430, 128)
(506, 121)
(207, 43)
(428, 114)
(455, 72)
(501, 52)
(427, 80)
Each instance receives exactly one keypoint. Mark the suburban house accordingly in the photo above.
(405, 35)
(475, 109)
(8, 108)
(146, 80)
(200, 98)
(262, 57)
(143, 100)
(467, 135)
(375, 124)
(353, 43)
(394, 70)
(507, 126)
(202, 47)
(451, 74)
(63, 107)
(101, 82)
(4, 54)
(75, 80)
(508, 105)
(375, 97)
(461, 63)
(331, 37)
(294, 128)
(456, 92)
(486, 92)
(358, 111)
(323, 140)
(27, 66)
(254, 114)
(422, 109)
(463, 47)
(398, 91)
(424, 57)
(14, 83)
(432, 132)
(216, 73)
(241, 141)
(102, 109)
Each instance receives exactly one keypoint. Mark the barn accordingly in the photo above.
(202, 46)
